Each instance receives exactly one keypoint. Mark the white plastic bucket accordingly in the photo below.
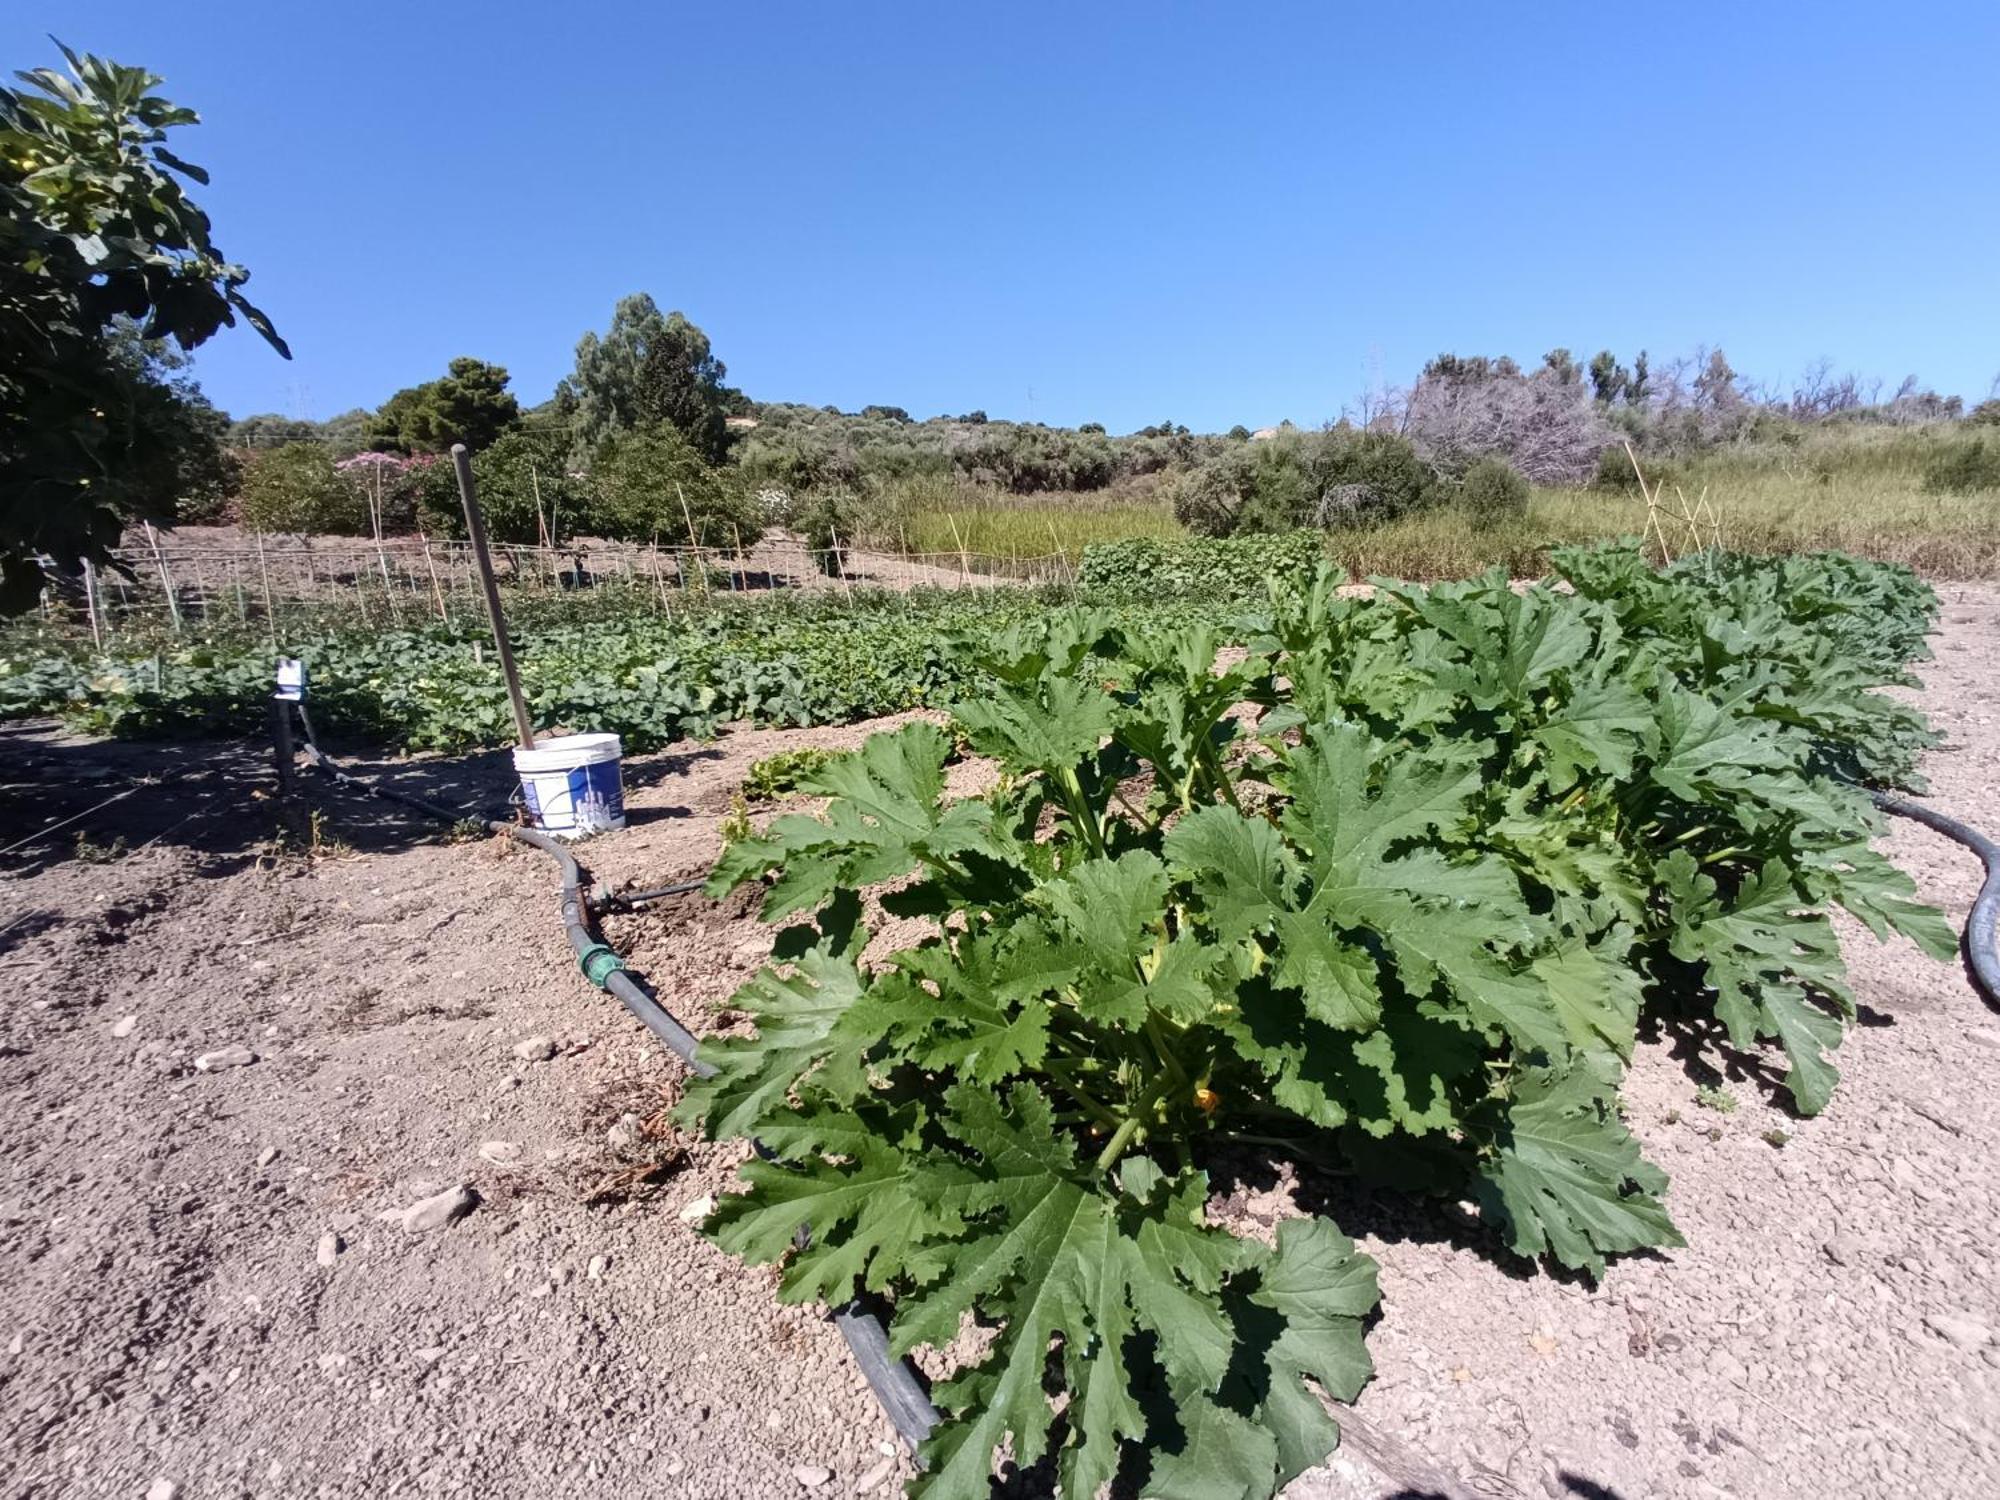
(571, 784)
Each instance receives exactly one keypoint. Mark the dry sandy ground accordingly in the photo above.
(205, 1283)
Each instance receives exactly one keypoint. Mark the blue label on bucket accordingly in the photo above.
(597, 795)
(584, 799)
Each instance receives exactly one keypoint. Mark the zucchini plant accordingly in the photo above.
(1388, 892)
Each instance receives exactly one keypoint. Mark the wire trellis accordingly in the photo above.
(252, 579)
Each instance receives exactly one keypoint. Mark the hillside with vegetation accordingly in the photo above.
(1480, 460)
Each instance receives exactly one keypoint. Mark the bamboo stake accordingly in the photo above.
(375, 519)
(541, 526)
(964, 562)
(840, 565)
(693, 541)
(437, 593)
(90, 604)
(1654, 526)
(475, 526)
(166, 578)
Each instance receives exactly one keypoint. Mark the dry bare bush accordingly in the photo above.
(1546, 426)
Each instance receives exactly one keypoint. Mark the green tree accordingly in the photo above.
(1637, 388)
(650, 367)
(267, 429)
(295, 488)
(1608, 378)
(95, 224)
(177, 464)
(653, 484)
(469, 404)
(680, 383)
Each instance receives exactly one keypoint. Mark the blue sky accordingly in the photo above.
(1115, 213)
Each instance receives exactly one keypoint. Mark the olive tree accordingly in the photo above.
(649, 367)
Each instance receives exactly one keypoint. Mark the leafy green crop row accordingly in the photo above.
(1401, 919)
(1237, 568)
(648, 677)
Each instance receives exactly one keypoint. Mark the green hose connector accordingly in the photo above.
(599, 962)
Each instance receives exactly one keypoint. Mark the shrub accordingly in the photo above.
(827, 524)
(524, 470)
(1545, 425)
(1210, 501)
(389, 486)
(1985, 414)
(295, 488)
(1964, 468)
(653, 485)
(1615, 473)
(1340, 477)
(1492, 488)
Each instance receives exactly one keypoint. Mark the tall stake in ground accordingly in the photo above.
(964, 560)
(270, 609)
(437, 592)
(475, 528)
(693, 541)
(166, 578)
(90, 603)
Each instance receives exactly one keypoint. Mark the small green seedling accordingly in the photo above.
(776, 775)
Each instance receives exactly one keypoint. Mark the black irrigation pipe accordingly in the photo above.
(603, 901)
(1981, 942)
(895, 1382)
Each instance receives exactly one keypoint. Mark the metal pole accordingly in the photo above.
(281, 745)
(475, 528)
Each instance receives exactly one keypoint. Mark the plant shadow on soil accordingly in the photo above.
(105, 799)
(1700, 1045)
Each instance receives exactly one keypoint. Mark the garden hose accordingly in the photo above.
(895, 1382)
(1981, 942)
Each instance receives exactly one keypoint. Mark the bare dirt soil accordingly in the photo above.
(206, 1281)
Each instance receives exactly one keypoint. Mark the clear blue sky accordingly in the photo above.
(1079, 212)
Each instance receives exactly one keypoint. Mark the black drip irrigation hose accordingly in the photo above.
(1981, 942)
(603, 901)
(895, 1382)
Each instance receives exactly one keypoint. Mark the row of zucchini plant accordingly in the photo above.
(1388, 890)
